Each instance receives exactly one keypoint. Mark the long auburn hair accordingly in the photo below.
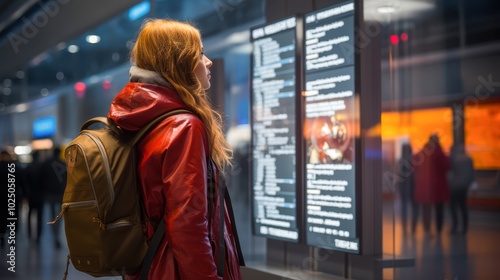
(173, 49)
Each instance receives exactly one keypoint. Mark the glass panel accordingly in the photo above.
(438, 77)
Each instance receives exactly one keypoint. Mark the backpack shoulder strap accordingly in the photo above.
(153, 245)
(152, 123)
(222, 219)
(160, 230)
(235, 231)
(108, 123)
(225, 201)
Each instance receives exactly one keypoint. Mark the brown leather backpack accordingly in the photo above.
(102, 207)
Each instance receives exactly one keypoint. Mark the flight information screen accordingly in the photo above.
(273, 130)
(330, 128)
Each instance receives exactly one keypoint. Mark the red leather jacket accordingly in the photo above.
(173, 173)
(431, 167)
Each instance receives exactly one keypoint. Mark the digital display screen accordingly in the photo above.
(330, 128)
(44, 127)
(273, 130)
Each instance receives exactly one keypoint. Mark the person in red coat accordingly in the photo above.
(170, 71)
(431, 184)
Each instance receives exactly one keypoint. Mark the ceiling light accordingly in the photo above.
(387, 9)
(139, 10)
(73, 48)
(22, 150)
(93, 39)
(44, 92)
(59, 75)
(21, 108)
(7, 82)
(395, 10)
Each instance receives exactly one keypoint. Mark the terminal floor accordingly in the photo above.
(444, 257)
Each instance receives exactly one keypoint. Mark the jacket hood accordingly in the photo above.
(145, 97)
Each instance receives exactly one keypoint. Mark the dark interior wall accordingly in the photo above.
(277, 9)
(36, 33)
(283, 8)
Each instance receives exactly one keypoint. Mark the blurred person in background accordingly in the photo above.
(53, 178)
(431, 183)
(35, 194)
(461, 178)
(406, 174)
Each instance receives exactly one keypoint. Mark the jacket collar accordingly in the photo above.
(140, 75)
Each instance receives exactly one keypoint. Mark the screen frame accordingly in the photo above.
(358, 153)
(298, 128)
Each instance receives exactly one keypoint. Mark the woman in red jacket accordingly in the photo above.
(431, 183)
(170, 72)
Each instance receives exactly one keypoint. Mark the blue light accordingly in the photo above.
(139, 10)
(44, 127)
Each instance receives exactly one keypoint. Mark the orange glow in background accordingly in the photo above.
(418, 125)
(481, 128)
(482, 135)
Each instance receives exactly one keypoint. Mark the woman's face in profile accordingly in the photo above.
(202, 72)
